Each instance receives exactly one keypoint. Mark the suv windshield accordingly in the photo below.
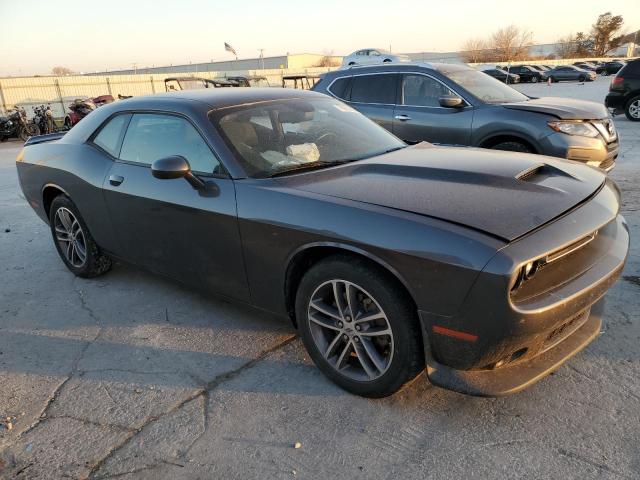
(274, 137)
(484, 87)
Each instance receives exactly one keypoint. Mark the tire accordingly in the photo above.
(30, 130)
(512, 146)
(399, 354)
(632, 109)
(94, 262)
(553, 79)
(534, 79)
(67, 123)
(386, 60)
(352, 64)
(582, 78)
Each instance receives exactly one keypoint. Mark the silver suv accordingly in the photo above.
(457, 105)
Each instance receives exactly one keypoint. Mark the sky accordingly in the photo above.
(90, 35)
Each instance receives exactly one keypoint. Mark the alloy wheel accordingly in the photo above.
(350, 330)
(70, 237)
(634, 109)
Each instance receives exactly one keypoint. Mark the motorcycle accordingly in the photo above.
(81, 108)
(43, 118)
(77, 111)
(15, 124)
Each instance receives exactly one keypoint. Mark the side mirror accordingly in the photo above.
(451, 101)
(175, 166)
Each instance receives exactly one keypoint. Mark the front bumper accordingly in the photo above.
(514, 378)
(497, 333)
(595, 152)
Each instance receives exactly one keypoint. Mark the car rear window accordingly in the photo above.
(632, 68)
(379, 88)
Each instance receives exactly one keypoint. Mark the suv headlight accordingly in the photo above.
(574, 127)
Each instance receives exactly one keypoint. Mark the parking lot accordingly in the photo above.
(130, 375)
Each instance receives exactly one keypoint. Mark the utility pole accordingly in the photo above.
(261, 50)
(135, 67)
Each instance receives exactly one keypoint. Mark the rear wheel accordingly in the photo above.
(512, 146)
(552, 79)
(534, 79)
(386, 60)
(359, 327)
(632, 110)
(74, 242)
(582, 78)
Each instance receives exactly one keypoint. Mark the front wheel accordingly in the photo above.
(534, 79)
(512, 146)
(29, 130)
(582, 78)
(632, 110)
(359, 327)
(74, 242)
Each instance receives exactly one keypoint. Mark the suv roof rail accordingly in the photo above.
(389, 64)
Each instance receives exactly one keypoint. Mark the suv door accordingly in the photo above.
(419, 116)
(374, 95)
(167, 226)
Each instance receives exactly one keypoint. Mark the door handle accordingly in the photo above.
(402, 118)
(115, 180)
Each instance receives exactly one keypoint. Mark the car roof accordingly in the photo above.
(440, 67)
(219, 97)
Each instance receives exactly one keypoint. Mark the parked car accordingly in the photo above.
(487, 267)
(176, 84)
(502, 75)
(611, 68)
(624, 91)
(78, 109)
(591, 67)
(250, 80)
(372, 56)
(456, 105)
(565, 73)
(526, 73)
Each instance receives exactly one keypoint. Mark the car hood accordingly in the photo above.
(504, 194)
(562, 108)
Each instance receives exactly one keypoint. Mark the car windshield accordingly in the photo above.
(484, 87)
(276, 137)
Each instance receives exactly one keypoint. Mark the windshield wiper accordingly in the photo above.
(303, 166)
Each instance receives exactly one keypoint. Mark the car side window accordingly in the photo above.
(340, 88)
(110, 135)
(374, 89)
(153, 136)
(422, 91)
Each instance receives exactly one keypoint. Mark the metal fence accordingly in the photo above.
(59, 92)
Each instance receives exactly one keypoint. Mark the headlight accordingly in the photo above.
(525, 273)
(580, 128)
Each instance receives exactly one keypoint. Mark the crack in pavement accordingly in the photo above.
(73, 371)
(594, 463)
(203, 392)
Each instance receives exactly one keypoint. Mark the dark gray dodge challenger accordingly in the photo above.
(489, 268)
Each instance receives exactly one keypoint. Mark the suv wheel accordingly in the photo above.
(359, 327)
(512, 146)
(632, 110)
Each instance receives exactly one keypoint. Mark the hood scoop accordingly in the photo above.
(541, 172)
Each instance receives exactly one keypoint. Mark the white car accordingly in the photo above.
(372, 56)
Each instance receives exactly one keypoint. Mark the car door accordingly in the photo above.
(374, 95)
(167, 226)
(419, 116)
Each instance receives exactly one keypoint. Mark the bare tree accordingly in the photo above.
(511, 43)
(566, 47)
(474, 50)
(328, 60)
(60, 71)
(605, 33)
